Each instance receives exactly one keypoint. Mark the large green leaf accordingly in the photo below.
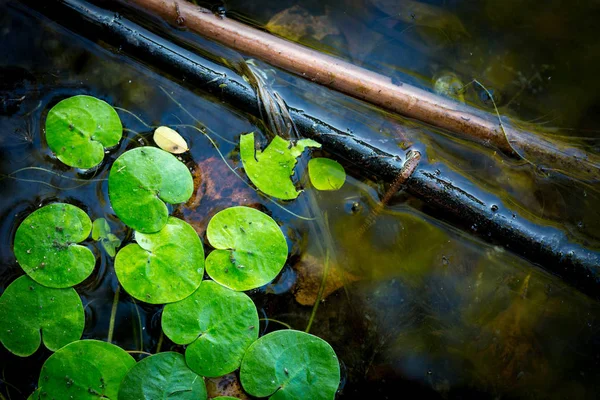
(46, 245)
(326, 174)
(162, 376)
(290, 365)
(217, 323)
(79, 128)
(30, 312)
(141, 181)
(84, 370)
(250, 249)
(270, 170)
(162, 267)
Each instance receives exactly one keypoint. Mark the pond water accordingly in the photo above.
(413, 306)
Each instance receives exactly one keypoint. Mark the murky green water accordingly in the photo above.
(421, 309)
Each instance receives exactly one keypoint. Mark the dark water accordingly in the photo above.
(425, 309)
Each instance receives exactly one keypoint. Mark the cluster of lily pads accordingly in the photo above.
(165, 264)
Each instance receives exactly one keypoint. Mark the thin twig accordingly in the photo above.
(113, 314)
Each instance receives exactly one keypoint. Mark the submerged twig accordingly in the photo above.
(113, 314)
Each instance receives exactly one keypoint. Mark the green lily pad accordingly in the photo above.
(35, 395)
(46, 245)
(290, 365)
(162, 376)
(79, 128)
(32, 312)
(326, 174)
(162, 267)
(101, 233)
(250, 249)
(217, 323)
(270, 170)
(141, 181)
(84, 370)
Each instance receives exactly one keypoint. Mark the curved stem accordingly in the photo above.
(113, 314)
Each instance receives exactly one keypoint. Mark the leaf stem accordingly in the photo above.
(113, 314)
(320, 294)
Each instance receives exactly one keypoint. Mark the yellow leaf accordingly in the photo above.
(169, 140)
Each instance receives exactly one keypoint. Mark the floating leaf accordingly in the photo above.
(101, 233)
(141, 181)
(31, 312)
(35, 395)
(250, 249)
(326, 174)
(79, 128)
(270, 170)
(162, 376)
(46, 249)
(290, 365)
(169, 140)
(162, 267)
(84, 370)
(217, 323)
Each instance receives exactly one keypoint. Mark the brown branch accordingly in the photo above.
(469, 122)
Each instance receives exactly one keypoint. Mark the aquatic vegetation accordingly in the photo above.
(162, 267)
(270, 170)
(217, 325)
(79, 128)
(290, 364)
(32, 309)
(84, 370)
(141, 181)
(169, 140)
(326, 174)
(162, 376)
(250, 249)
(101, 233)
(46, 245)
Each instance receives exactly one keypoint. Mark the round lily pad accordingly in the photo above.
(326, 174)
(46, 245)
(162, 376)
(30, 312)
(79, 128)
(141, 181)
(250, 249)
(84, 370)
(218, 324)
(290, 365)
(162, 267)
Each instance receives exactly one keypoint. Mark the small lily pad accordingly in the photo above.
(162, 376)
(31, 312)
(84, 370)
(290, 365)
(217, 323)
(270, 170)
(46, 245)
(250, 249)
(101, 233)
(162, 267)
(169, 140)
(79, 128)
(141, 181)
(326, 174)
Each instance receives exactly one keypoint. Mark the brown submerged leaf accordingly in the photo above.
(226, 385)
(296, 22)
(215, 188)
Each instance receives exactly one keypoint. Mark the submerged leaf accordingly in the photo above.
(79, 128)
(270, 170)
(46, 245)
(162, 267)
(169, 140)
(290, 365)
(101, 233)
(296, 22)
(217, 323)
(141, 181)
(27, 309)
(326, 174)
(162, 376)
(250, 249)
(84, 370)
